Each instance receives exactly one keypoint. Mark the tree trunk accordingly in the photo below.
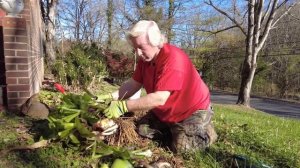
(247, 74)
(49, 20)
(171, 11)
(109, 15)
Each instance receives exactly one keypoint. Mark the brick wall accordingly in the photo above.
(22, 53)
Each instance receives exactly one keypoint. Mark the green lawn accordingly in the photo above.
(247, 138)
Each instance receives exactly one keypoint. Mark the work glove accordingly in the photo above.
(102, 98)
(115, 109)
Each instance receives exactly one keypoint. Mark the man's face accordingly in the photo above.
(143, 49)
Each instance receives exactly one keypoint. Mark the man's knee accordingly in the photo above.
(192, 136)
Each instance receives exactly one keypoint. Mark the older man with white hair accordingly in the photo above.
(177, 98)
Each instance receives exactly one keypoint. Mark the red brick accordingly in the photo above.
(17, 32)
(23, 80)
(22, 67)
(11, 81)
(9, 52)
(14, 108)
(12, 94)
(25, 12)
(21, 39)
(11, 67)
(16, 101)
(14, 22)
(22, 53)
(15, 46)
(9, 39)
(16, 60)
(13, 88)
(24, 94)
(17, 74)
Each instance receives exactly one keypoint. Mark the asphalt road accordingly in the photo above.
(271, 106)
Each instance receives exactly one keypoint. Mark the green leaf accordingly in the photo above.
(68, 102)
(51, 119)
(89, 117)
(122, 152)
(70, 117)
(65, 133)
(103, 149)
(84, 131)
(68, 125)
(67, 111)
(74, 139)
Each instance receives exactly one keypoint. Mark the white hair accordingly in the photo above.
(154, 36)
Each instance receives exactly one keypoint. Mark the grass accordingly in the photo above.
(247, 138)
(251, 138)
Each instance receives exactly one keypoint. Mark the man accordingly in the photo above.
(176, 94)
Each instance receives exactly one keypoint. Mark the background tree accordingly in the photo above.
(282, 50)
(83, 20)
(48, 10)
(262, 17)
(109, 15)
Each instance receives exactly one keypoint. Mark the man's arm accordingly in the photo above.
(149, 101)
(127, 89)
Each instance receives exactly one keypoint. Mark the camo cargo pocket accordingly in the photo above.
(190, 134)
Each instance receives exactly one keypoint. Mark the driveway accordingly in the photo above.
(271, 106)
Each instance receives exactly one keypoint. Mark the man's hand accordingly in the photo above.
(102, 98)
(116, 109)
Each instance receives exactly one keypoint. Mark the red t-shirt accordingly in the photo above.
(173, 71)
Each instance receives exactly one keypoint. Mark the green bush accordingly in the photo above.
(80, 65)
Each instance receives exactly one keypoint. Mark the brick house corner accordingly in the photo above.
(21, 55)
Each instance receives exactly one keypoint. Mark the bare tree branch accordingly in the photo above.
(217, 31)
(226, 14)
(268, 24)
(295, 17)
(280, 5)
(285, 13)
(267, 12)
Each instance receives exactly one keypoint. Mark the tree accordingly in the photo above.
(262, 17)
(109, 15)
(48, 11)
(83, 20)
(282, 50)
(171, 13)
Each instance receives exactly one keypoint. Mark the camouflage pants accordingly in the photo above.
(194, 133)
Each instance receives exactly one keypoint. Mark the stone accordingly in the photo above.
(38, 110)
(34, 108)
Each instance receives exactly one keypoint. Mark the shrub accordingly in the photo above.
(80, 65)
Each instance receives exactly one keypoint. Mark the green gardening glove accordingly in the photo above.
(102, 98)
(116, 109)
